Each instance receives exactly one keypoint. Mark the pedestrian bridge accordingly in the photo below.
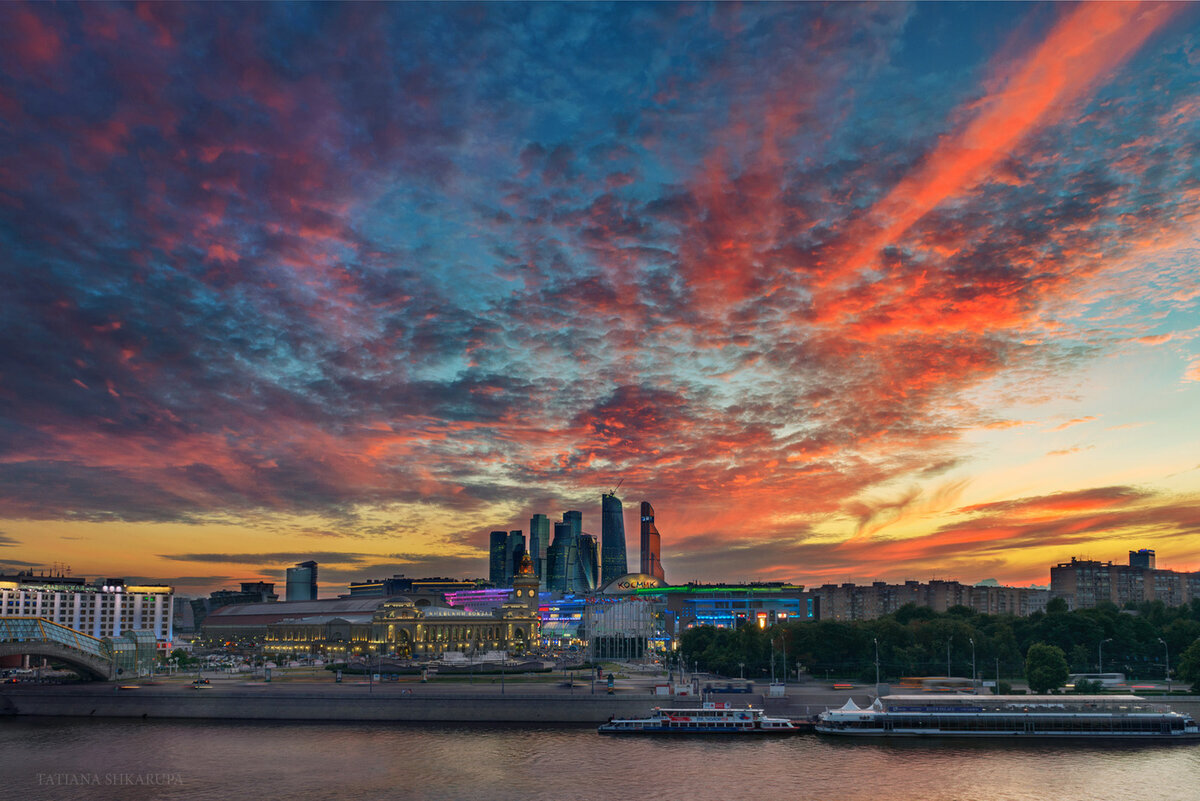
(37, 636)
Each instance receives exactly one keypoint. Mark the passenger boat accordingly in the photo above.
(712, 718)
(1123, 717)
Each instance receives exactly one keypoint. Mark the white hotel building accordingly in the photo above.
(101, 610)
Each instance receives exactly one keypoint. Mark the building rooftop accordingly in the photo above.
(289, 609)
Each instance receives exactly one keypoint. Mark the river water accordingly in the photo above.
(56, 759)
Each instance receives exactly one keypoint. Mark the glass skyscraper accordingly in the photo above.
(302, 582)
(613, 562)
(539, 541)
(561, 559)
(497, 558)
(651, 543)
(577, 580)
(575, 521)
(514, 553)
(589, 562)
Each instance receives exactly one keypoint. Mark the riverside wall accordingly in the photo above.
(423, 705)
(430, 707)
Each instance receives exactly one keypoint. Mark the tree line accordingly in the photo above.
(1138, 641)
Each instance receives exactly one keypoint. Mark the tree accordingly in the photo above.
(1045, 667)
(910, 612)
(1188, 667)
(1056, 606)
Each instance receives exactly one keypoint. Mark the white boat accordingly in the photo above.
(1124, 717)
(711, 718)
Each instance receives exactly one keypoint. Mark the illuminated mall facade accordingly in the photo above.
(641, 616)
(396, 626)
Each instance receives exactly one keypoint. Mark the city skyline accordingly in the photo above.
(846, 292)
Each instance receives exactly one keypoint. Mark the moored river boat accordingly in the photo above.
(1117, 717)
(712, 718)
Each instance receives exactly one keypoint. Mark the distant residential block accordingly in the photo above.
(871, 601)
(1083, 583)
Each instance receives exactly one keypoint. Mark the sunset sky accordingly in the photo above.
(849, 293)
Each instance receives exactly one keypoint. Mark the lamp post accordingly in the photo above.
(1100, 650)
(1167, 658)
(783, 644)
(972, 641)
(876, 639)
(948, 639)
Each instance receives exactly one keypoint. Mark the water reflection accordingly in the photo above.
(97, 759)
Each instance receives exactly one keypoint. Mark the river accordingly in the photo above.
(55, 759)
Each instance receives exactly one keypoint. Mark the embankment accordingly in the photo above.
(331, 705)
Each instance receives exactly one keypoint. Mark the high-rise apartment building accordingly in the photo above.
(651, 543)
(870, 601)
(1143, 557)
(539, 542)
(613, 562)
(1083, 583)
(302, 582)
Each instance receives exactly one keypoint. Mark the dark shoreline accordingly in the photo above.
(514, 703)
(343, 703)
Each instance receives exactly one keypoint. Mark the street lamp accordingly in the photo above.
(1100, 649)
(876, 666)
(1167, 657)
(948, 639)
(783, 644)
(971, 640)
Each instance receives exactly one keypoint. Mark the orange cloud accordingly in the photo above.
(1075, 422)
(1086, 45)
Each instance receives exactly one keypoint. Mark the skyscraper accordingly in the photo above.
(562, 559)
(589, 562)
(302, 582)
(539, 541)
(514, 551)
(651, 543)
(577, 580)
(497, 558)
(613, 562)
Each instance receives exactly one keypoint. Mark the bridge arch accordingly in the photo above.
(87, 666)
(35, 636)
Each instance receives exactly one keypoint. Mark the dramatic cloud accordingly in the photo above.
(267, 558)
(823, 283)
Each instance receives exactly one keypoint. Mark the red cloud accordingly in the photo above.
(30, 40)
(1087, 44)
